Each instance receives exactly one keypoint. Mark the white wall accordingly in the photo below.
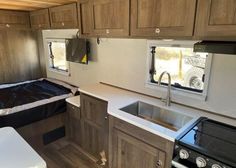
(122, 62)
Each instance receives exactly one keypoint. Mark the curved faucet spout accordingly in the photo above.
(168, 97)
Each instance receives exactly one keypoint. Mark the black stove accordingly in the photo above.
(207, 143)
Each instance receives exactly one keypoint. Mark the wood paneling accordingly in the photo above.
(216, 18)
(19, 59)
(64, 16)
(110, 17)
(14, 19)
(29, 5)
(162, 18)
(40, 19)
(94, 126)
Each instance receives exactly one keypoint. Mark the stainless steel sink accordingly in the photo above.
(166, 118)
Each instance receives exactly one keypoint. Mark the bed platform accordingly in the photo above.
(36, 109)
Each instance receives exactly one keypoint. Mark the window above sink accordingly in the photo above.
(190, 72)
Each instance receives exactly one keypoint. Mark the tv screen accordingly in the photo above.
(77, 50)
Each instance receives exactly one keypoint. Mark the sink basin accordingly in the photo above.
(169, 119)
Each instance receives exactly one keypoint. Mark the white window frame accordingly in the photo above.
(177, 92)
(59, 71)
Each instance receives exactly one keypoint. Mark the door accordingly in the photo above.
(130, 152)
(14, 19)
(162, 18)
(84, 15)
(110, 17)
(94, 125)
(64, 16)
(40, 19)
(216, 18)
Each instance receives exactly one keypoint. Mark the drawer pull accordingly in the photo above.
(106, 117)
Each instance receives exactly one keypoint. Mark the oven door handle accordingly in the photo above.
(177, 165)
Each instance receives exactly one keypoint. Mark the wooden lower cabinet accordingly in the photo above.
(94, 127)
(73, 124)
(131, 152)
(131, 146)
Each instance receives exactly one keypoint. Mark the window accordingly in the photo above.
(189, 71)
(57, 55)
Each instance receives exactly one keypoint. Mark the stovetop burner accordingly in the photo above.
(212, 139)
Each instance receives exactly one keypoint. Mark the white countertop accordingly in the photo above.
(74, 100)
(15, 152)
(118, 98)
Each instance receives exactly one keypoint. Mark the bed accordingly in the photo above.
(31, 101)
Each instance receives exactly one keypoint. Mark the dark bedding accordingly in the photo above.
(23, 94)
(30, 92)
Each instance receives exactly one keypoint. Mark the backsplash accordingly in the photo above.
(123, 63)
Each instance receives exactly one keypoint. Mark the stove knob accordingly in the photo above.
(201, 162)
(216, 166)
(183, 154)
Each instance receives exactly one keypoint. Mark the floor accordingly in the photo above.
(65, 154)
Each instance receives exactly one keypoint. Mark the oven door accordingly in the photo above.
(180, 163)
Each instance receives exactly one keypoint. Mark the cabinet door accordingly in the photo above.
(84, 14)
(40, 19)
(130, 152)
(14, 19)
(163, 18)
(216, 18)
(73, 123)
(110, 17)
(94, 125)
(64, 16)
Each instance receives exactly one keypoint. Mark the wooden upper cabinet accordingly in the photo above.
(163, 18)
(40, 19)
(14, 19)
(84, 16)
(216, 18)
(110, 17)
(64, 16)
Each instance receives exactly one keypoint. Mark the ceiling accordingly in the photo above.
(30, 5)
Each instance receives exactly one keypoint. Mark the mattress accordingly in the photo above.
(31, 101)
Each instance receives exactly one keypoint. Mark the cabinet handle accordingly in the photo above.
(106, 117)
(159, 164)
(107, 31)
(7, 25)
(157, 31)
(63, 24)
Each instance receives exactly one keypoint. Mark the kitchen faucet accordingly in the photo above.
(168, 97)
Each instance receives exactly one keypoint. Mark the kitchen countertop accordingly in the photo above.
(15, 152)
(119, 98)
(74, 100)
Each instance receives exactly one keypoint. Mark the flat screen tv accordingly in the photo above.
(77, 50)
